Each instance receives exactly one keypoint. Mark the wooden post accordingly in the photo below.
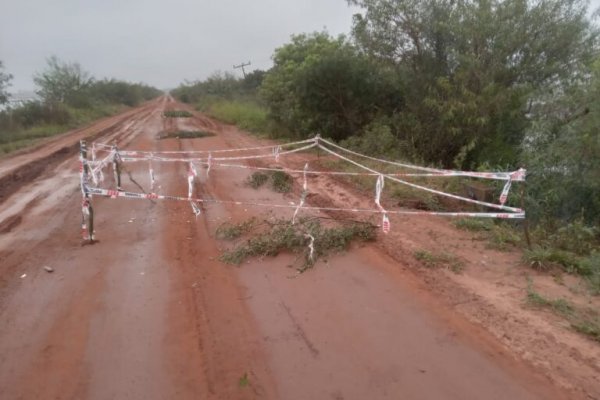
(87, 220)
(525, 220)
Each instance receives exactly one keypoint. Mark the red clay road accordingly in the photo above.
(150, 312)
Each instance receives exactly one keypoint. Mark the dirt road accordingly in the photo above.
(150, 313)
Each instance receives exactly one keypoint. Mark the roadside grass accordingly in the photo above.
(14, 140)
(281, 182)
(587, 266)
(246, 114)
(184, 135)
(473, 224)
(584, 321)
(280, 236)
(177, 114)
(10, 142)
(438, 260)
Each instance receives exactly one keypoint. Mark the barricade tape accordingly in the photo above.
(199, 160)
(311, 246)
(413, 185)
(143, 152)
(153, 196)
(385, 222)
(518, 175)
(302, 196)
(371, 171)
(192, 173)
(288, 170)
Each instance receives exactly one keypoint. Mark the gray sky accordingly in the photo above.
(160, 42)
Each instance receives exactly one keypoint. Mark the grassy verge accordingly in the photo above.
(437, 260)
(21, 138)
(246, 114)
(584, 321)
(500, 235)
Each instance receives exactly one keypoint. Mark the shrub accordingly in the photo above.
(257, 179)
(281, 182)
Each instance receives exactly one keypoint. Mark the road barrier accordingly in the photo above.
(219, 158)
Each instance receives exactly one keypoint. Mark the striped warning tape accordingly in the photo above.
(153, 196)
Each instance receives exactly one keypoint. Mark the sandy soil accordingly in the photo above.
(150, 313)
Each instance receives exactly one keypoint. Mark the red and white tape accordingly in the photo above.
(133, 195)
(413, 185)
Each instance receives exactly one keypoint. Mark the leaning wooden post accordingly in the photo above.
(116, 162)
(87, 218)
(525, 220)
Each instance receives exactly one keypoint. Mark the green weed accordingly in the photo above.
(185, 135)
(504, 237)
(244, 381)
(431, 260)
(583, 321)
(473, 224)
(281, 182)
(177, 114)
(257, 179)
(281, 236)
(230, 231)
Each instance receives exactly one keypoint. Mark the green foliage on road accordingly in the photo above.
(177, 114)
(279, 236)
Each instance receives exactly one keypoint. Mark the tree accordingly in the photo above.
(471, 67)
(63, 83)
(5, 79)
(321, 84)
(563, 152)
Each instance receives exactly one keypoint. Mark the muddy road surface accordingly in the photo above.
(149, 312)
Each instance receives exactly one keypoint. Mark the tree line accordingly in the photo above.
(469, 84)
(68, 95)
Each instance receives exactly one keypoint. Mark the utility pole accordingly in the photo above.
(242, 65)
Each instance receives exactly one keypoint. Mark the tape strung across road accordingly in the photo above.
(316, 142)
(153, 196)
(518, 175)
(240, 149)
(415, 186)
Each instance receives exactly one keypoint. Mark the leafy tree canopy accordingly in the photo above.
(5, 79)
(473, 67)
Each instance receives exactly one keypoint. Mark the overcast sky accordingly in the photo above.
(160, 42)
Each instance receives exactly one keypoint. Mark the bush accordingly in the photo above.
(257, 179)
(281, 182)
(246, 115)
(376, 140)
